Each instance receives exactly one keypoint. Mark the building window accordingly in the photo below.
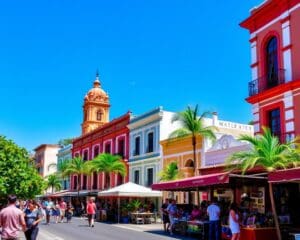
(84, 185)
(107, 148)
(95, 180)
(272, 62)
(75, 182)
(137, 176)
(274, 122)
(150, 142)
(99, 115)
(137, 146)
(119, 179)
(121, 146)
(96, 151)
(85, 155)
(149, 176)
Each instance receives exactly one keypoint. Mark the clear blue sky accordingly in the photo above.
(149, 53)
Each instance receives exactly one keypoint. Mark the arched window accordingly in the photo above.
(189, 163)
(272, 62)
(99, 115)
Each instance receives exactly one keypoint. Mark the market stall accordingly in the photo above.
(128, 190)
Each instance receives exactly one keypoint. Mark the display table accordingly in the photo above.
(198, 227)
(250, 233)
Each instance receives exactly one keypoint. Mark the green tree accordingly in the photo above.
(108, 163)
(65, 142)
(193, 125)
(17, 171)
(268, 153)
(77, 166)
(170, 172)
(61, 167)
(53, 182)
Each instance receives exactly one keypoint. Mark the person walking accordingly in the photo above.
(69, 212)
(11, 218)
(213, 212)
(62, 206)
(234, 222)
(172, 210)
(165, 215)
(32, 218)
(91, 211)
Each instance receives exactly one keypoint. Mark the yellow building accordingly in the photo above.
(180, 150)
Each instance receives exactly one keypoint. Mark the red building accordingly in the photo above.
(100, 135)
(274, 90)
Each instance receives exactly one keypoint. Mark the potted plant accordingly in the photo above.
(125, 213)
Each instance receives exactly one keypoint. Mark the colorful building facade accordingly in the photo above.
(46, 158)
(274, 90)
(64, 154)
(146, 132)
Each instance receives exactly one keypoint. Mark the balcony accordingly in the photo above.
(266, 82)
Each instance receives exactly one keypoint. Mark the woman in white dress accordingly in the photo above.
(234, 224)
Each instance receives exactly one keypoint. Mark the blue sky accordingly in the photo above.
(149, 53)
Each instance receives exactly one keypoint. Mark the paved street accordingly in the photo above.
(78, 230)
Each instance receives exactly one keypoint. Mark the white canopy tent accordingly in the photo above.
(129, 190)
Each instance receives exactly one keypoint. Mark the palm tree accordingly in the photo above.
(170, 172)
(54, 182)
(269, 154)
(61, 167)
(108, 163)
(77, 166)
(192, 125)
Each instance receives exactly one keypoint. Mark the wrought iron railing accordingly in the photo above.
(266, 82)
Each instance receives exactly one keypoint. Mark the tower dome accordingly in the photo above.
(96, 93)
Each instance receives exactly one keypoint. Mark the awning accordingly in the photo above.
(130, 190)
(287, 175)
(193, 182)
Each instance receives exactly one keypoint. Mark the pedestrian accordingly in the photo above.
(62, 206)
(91, 211)
(32, 218)
(56, 212)
(234, 224)
(213, 212)
(172, 211)
(11, 218)
(165, 215)
(69, 212)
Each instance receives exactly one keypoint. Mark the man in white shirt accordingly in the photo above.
(213, 212)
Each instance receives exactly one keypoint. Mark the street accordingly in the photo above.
(78, 230)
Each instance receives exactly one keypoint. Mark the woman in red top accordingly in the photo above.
(91, 211)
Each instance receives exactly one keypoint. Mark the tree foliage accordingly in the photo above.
(108, 163)
(54, 182)
(267, 152)
(192, 125)
(17, 171)
(65, 142)
(170, 172)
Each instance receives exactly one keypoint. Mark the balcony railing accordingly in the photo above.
(266, 82)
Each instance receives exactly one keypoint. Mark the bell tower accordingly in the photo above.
(95, 108)
(274, 90)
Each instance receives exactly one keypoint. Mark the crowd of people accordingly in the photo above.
(208, 212)
(26, 215)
